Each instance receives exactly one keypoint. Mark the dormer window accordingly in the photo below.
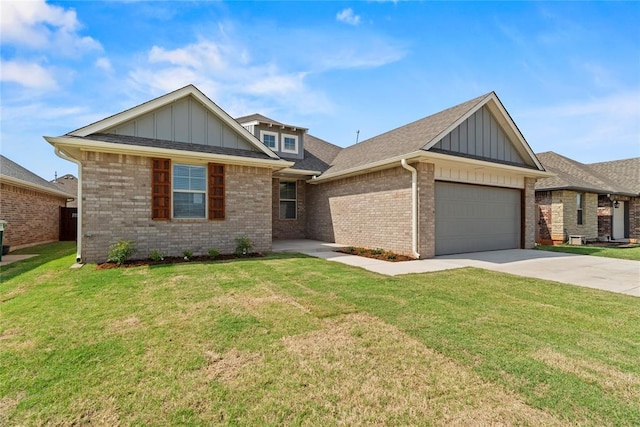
(270, 139)
(289, 143)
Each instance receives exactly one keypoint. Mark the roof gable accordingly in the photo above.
(185, 115)
(16, 174)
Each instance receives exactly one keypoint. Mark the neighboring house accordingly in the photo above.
(30, 205)
(598, 201)
(179, 173)
(69, 184)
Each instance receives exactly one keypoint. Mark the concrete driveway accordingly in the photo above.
(615, 275)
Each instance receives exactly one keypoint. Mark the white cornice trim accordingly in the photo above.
(167, 99)
(18, 182)
(291, 171)
(136, 150)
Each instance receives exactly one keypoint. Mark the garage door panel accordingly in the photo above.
(471, 218)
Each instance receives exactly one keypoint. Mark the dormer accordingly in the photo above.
(286, 140)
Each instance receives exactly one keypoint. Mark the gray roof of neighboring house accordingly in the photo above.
(623, 172)
(573, 175)
(403, 140)
(318, 154)
(13, 170)
(263, 119)
(174, 145)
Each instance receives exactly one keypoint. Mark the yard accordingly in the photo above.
(632, 253)
(289, 339)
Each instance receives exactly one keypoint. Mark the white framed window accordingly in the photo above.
(289, 143)
(288, 200)
(189, 191)
(270, 139)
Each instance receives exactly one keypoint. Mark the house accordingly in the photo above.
(597, 201)
(178, 173)
(31, 206)
(69, 184)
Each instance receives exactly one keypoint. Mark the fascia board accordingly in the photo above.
(164, 100)
(107, 147)
(35, 187)
(291, 171)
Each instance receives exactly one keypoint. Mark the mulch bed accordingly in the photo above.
(375, 254)
(175, 260)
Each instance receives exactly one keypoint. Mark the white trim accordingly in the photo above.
(205, 192)
(137, 150)
(276, 135)
(283, 137)
(167, 99)
(291, 171)
(35, 187)
(280, 199)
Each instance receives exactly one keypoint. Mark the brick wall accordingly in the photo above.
(426, 209)
(117, 204)
(565, 217)
(604, 218)
(371, 210)
(545, 219)
(289, 228)
(634, 218)
(529, 206)
(33, 217)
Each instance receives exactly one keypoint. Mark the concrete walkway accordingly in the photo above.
(8, 259)
(614, 275)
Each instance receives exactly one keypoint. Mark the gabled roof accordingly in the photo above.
(421, 135)
(623, 172)
(15, 174)
(259, 118)
(573, 175)
(144, 108)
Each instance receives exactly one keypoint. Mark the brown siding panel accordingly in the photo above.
(161, 189)
(216, 191)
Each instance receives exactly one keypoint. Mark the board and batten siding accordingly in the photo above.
(481, 136)
(481, 177)
(185, 120)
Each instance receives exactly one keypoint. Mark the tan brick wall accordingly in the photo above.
(33, 217)
(565, 217)
(545, 218)
(634, 218)
(371, 210)
(426, 209)
(289, 228)
(529, 206)
(117, 204)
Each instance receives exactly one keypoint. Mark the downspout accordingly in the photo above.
(64, 156)
(414, 207)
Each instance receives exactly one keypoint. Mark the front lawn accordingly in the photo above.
(289, 339)
(608, 252)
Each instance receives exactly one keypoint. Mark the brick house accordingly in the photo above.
(179, 173)
(30, 205)
(598, 201)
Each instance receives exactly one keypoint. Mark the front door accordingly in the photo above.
(618, 221)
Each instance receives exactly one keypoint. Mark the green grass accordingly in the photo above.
(612, 252)
(293, 340)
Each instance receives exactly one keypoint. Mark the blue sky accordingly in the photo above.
(567, 72)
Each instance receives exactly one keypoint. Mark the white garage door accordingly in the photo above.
(473, 218)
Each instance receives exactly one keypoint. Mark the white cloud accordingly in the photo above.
(37, 25)
(28, 74)
(104, 64)
(348, 17)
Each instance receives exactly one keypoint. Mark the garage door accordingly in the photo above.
(473, 218)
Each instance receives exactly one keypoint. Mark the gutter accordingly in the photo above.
(414, 207)
(64, 156)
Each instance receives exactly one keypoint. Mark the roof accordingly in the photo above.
(265, 120)
(573, 175)
(623, 172)
(20, 175)
(318, 154)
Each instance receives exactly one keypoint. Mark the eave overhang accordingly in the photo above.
(598, 191)
(35, 187)
(74, 147)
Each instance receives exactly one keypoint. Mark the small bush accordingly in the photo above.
(391, 255)
(213, 253)
(377, 251)
(187, 254)
(121, 251)
(351, 249)
(244, 246)
(156, 255)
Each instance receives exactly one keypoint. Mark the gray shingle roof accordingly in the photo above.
(403, 140)
(13, 170)
(174, 145)
(623, 172)
(574, 175)
(318, 154)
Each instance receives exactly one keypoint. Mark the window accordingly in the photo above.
(290, 143)
(270, 139)
(288, 200)
(189, 191)
(580, 205)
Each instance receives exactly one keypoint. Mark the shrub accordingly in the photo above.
(156, 255)
(391, 255)
(213, 253)
(377, 251)
(121, 251)
(351, 249)
(244, 246)
(187, 254)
